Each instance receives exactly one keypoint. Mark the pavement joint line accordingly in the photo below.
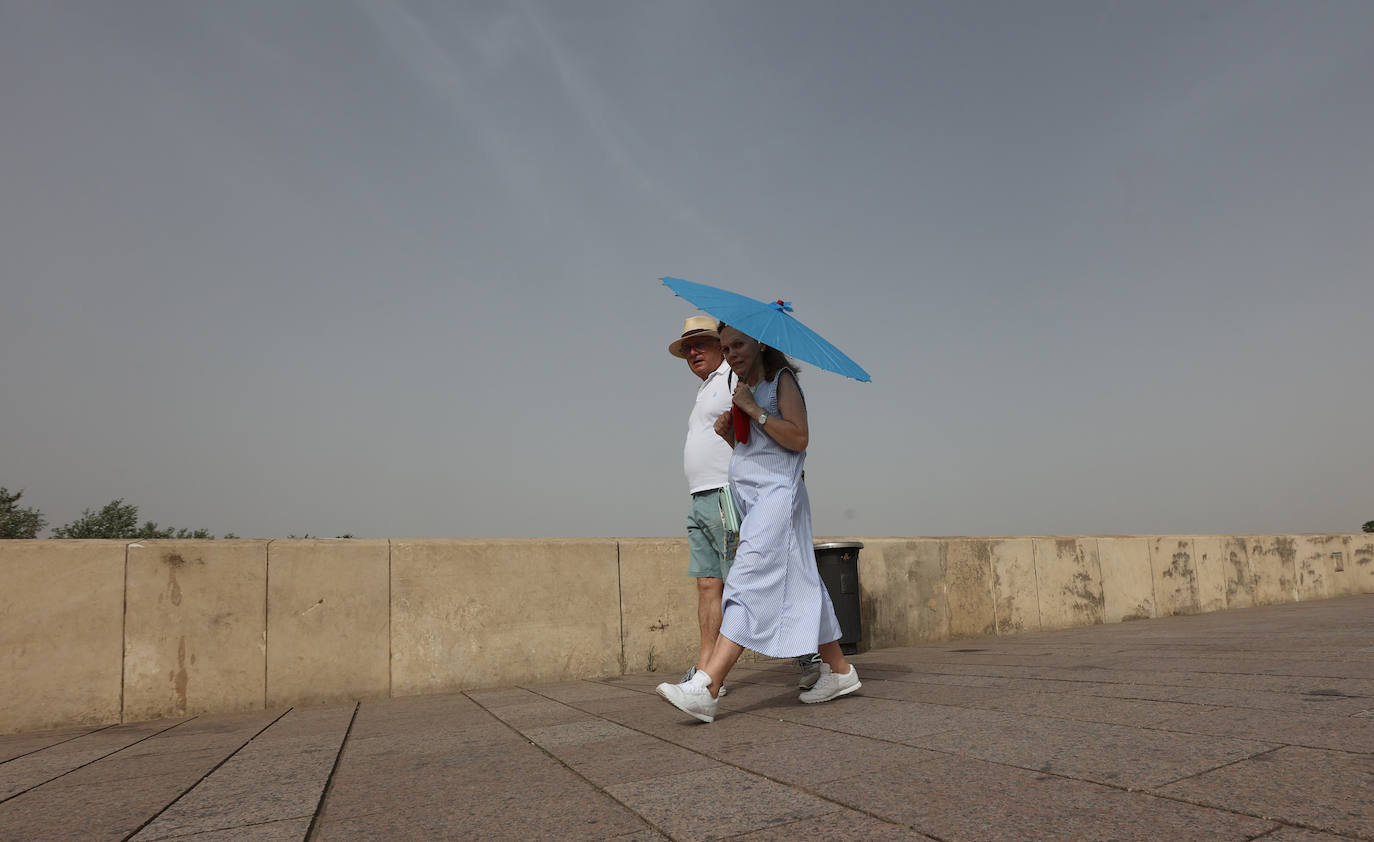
(69, 739)
(329, 780)
(96, 760)
(1089, 692)
(202, 778)
(1124, 672)
(1279, 824)
(780, 826)
(843, 809)
(1278, 747)
(560, 760)
(1315, 828)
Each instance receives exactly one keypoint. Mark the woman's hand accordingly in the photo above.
(744, 399)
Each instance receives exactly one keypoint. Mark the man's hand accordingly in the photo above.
(725, 429)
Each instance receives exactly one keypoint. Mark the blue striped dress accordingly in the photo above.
(774, 600)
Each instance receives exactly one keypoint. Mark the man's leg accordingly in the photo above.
(709, 590)
(838, 676)
(707, 563)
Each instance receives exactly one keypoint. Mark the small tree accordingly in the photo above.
(1368, 525)
(120, 520)
(16, 522)
(116, 520)
(152, 530)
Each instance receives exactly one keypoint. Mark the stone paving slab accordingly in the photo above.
(33, 768)
(108, 809)
(276, 779)
(1327, 790)
(964, 799)
(1245, 725)
(721, 802)
(1313, 730)
(1111, 710)
(1136, 758)
(19, 745)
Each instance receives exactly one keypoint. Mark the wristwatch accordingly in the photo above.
(763, 417)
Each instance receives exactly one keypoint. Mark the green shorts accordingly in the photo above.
(706, 537)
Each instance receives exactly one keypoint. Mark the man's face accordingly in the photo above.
(703, 354)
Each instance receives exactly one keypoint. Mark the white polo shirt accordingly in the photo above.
(706, 456)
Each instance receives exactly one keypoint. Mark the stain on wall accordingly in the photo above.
(1070, 582)
(1175, 578)
(1240, 578)
(1016, 592)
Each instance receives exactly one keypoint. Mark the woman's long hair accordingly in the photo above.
(773, 359)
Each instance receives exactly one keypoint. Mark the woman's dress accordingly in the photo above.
(774, 601)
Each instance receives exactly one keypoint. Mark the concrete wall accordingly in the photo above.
(98, 632)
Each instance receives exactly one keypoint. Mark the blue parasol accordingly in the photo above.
(768, 322)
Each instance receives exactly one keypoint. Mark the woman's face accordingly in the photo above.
(741, 352)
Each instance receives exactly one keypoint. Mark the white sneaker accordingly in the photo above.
(831, 686)
(691, 671)
(692, 696)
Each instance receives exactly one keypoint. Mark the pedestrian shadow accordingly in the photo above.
(782, 698)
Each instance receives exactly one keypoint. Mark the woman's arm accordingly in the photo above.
(790, 429)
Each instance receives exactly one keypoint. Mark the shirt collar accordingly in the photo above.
(722, 370)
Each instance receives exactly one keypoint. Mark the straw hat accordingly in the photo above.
(694, 326)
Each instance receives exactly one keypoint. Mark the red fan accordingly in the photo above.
(741, 422)
(737, 416)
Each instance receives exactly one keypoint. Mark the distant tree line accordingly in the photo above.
(120, 520)
(115, 519)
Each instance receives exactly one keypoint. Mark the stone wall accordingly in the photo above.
(98, 632)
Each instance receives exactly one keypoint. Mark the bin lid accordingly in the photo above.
(841, 545)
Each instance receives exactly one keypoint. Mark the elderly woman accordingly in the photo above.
(774, 601)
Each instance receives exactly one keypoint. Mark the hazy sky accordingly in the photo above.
(390, 267)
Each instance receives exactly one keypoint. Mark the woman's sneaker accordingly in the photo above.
(831, 686)
(811, 670)
(691, 671)
(692, 696)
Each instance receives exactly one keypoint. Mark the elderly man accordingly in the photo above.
(706, 461)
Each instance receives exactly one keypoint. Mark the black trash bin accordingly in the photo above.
(838, 563)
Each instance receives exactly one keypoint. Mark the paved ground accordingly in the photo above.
(1253, 724)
